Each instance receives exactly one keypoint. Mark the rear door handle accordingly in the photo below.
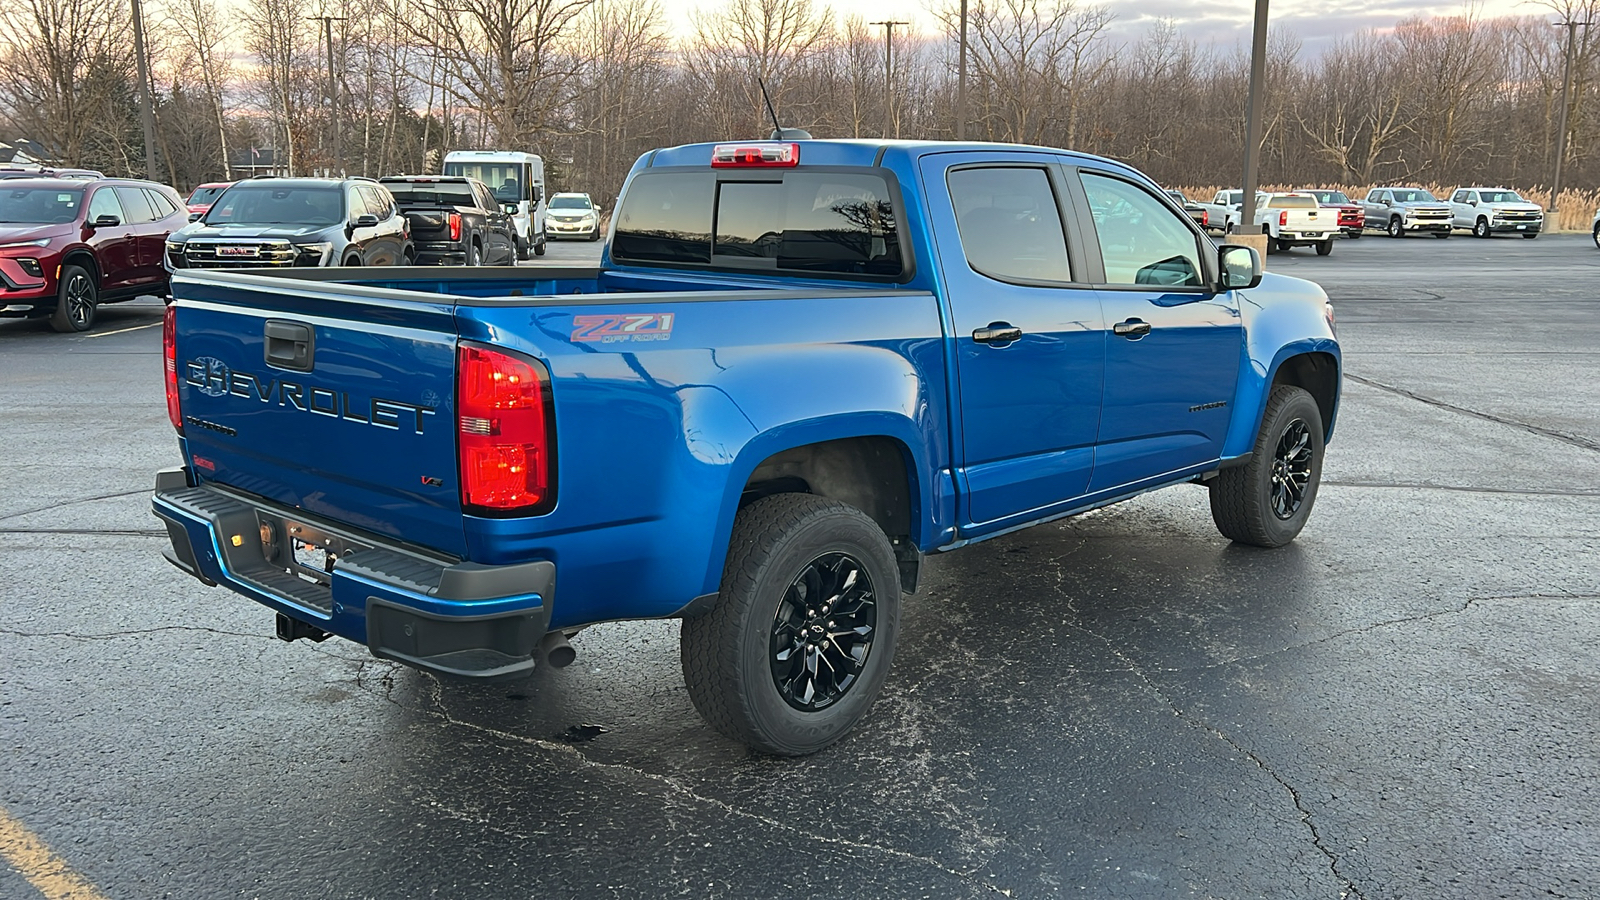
(1133, 329)
(997, 333)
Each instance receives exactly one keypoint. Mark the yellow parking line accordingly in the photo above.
(122, 330)
(42, 868)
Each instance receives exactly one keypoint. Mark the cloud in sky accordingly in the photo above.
(1223, 22)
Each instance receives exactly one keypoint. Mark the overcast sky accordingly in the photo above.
(1223, 22)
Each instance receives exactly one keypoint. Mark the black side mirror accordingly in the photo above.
(367, 221)
(1240, 267)
(105, 221)
(194, 217)
(512, 208)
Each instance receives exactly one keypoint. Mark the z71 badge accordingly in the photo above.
(611, 328)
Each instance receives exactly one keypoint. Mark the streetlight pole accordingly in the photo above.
(147, 114)
(333, 90)
(1561, 129)
(961, 78)
(1252, 122)
(888, 70)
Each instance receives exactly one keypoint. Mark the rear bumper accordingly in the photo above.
(457, 619)
(441, 253)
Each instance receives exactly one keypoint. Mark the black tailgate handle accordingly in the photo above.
(290, 345)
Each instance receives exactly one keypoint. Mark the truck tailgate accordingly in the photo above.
(428, 224)
(331, 398)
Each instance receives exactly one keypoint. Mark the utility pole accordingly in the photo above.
(961, 78)
(1561, 130)
(1252, 123)
(147, 114)
(888, 71)
(333, 90)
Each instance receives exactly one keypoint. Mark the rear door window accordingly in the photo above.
(1010, 225)
(135, 205)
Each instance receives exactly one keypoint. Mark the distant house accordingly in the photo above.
(21, 152)
(256, 161)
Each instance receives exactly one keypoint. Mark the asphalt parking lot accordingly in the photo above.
(1401, 704)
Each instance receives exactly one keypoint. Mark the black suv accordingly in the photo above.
(296, 222)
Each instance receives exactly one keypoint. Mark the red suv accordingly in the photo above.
(66, 246)
(204, 196)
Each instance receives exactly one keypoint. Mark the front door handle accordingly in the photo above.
(997, 333)
(1133, 329)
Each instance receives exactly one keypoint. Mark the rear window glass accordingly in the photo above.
(206, 194)
(1292, 203)
(424, 193)
(836, 223)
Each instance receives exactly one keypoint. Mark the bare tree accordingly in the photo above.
(203, 37)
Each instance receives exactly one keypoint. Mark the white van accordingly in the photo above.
(517, 180)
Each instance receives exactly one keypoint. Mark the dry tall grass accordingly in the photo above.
(1576, 213)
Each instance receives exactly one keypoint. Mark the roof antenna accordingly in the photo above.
(780, 133)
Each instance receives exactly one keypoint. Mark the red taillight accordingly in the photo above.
(455, 226)
(169, 350)
(1283, 218)
(1205, 218)
(757, 155)
(504, 432)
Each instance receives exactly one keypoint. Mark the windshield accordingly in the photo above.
(564, 201)
(1292, 203)
(431, 194)
(1330, 196)
(508, 181)
(206, 194)
(266, 205)
(1414, 196)
(39, 206)
(843, 223)
(1499, 197)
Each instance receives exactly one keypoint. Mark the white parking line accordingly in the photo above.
(122, 330)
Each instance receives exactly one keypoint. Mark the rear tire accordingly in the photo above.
(798, 644)
(77, 301)
(1353, 235)
(1267, 501)
(538, 248)
(474, 255)
(1325, 247)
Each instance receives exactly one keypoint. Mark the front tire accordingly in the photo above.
(1530, 235)
(77, 300)
(1396, 230)
(1267, 501)
(1441, 235)
(1596, 235)
(798, 644)
(1480, 228)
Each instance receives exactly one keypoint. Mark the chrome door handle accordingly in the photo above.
(1133, 329)
(998, 333)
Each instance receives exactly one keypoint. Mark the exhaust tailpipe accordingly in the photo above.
(555, 651)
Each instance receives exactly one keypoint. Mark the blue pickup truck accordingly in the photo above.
(798, 368)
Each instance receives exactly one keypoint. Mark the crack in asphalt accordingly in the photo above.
(1138, 671)
(1424, 486)
(85, 532)
(441, 712)
(1561, 436)
(133, 632)
(60, 503)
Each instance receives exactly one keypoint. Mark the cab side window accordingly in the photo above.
(1009, 223)
(1462, 197)
(1141, 241)
(104, 203)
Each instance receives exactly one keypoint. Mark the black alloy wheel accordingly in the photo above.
(1480, 228)
(1291, 469)
(823, 632)
(1267, 500)
(1395, 228)
(76, 301)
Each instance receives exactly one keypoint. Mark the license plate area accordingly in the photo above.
(302, 549)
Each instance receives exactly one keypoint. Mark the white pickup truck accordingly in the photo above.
(1223, 212)
(1490, 211)
(1296, 219)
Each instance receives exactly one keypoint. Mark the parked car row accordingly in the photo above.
(1395, 210)
(72, 239)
